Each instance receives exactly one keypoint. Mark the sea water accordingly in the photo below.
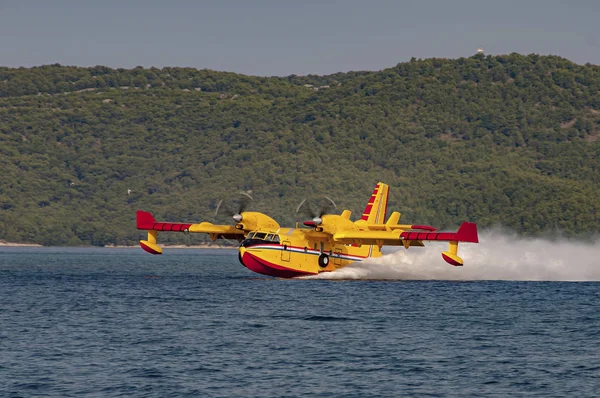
(122, 323)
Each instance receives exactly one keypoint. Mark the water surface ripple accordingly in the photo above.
(120, 323)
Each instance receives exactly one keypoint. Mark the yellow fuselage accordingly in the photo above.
(290, 252)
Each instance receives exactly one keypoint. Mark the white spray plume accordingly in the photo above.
(498, 256)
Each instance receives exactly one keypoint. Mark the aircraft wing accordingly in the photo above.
(466, 233)
(380, 238)
(145, 221)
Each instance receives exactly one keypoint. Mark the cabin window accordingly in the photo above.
(260, 235)
(251, 235)
(275, 238)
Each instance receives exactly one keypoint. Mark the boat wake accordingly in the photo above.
(498, 256)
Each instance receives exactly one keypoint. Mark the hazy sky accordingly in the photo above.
(281, 37)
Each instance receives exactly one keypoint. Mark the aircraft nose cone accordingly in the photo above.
(237, 217)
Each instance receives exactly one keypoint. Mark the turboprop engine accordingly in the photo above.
(252, 221)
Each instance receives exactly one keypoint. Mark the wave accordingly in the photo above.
(498, 256)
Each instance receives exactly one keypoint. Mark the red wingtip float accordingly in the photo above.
(466, 233)
(144, 220)
(328, 242)
(151, 248)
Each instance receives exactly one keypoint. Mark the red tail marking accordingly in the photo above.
(467, 233)
(385, 207)
(367, 211)
(144, 220)
(147, 222)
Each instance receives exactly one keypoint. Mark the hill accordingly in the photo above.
(507, 140)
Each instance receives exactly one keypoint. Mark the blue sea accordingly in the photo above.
(195, 323)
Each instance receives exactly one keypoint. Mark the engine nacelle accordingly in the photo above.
(331, 223)
(253, 220)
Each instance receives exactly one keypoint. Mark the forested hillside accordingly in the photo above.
(508, 140)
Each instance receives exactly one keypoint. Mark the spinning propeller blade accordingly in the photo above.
(315, 209)
(234, 207)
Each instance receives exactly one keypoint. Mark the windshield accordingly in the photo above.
(263, 236)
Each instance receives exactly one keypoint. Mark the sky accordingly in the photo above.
(284, 37)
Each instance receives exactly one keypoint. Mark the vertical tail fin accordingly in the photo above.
(375, 212)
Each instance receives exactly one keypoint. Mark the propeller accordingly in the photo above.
(234, 207)
(315, 209)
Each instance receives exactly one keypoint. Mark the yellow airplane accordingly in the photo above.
(326, 243)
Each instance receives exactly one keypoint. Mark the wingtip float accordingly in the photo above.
(328, 242)
(467, 232)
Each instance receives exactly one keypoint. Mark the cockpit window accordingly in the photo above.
(274, 238)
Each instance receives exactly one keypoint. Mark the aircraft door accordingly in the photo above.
(337, 257)
(285, 253)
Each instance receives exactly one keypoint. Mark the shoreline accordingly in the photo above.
(14, 244)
